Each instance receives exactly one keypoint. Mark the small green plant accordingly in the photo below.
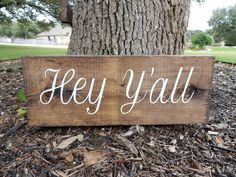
(22, 98)
(21, 95)
(21, 112)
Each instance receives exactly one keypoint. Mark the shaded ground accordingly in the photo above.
(184, 150)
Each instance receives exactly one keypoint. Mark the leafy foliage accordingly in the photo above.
(22, 98)
(223, 23)
(190, 34)
(21, 29)
(21, 112)
(28, 10)
(201, 40)
(21, 95)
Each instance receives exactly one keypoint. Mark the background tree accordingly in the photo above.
(29, 10)
(26, 18)
(21, 30)
(190, 34)
(223, 23)
(201, 39)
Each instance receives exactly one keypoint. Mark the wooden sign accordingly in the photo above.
(117, 90)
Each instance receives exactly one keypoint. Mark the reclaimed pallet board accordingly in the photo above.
(117, 90)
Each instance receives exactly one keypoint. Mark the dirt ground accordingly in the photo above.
(184, 150)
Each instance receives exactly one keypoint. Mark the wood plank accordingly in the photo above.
(113, 68)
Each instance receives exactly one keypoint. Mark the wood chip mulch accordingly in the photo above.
(184, 150)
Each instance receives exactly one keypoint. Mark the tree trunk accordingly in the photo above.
(129, 27)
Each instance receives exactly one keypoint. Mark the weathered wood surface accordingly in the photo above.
(114, 68)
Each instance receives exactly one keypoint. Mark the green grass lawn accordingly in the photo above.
(223, 54)
(14, 51)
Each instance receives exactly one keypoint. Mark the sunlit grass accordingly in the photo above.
(222, 54)
(14, 51)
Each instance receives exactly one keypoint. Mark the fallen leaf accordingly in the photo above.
(140, 129)
(60, 173)
(212, 133)
(69, 157)
(133, 130)
(172, 149)
(94, 157)
(181, 137)
(128, 144)
(80, 137)
(47, 148)
(196, 164)
(102, 134)
(54, 144)
(64, 144)
(220, 126)
(152, 143)
(219, 140)
(174, 141)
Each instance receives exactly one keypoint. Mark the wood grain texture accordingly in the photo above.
(113, 68)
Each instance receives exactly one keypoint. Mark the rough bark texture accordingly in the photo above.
(129, 27)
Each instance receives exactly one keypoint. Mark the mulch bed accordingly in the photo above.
(183, 150)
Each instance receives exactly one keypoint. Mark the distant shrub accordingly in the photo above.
(200, 40)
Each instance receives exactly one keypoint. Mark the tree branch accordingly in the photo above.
(41, 9)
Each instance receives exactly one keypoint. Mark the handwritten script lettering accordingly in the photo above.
(96, 99)
(71, 73)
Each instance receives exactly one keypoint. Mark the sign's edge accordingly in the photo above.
(25, 80)
(210, 90)
(32, 124)
(120, 56)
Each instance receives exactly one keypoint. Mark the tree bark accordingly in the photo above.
(129, 27)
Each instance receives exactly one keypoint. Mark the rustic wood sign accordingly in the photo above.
(117, 90)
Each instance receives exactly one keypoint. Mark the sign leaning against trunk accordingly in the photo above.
(117, 90)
